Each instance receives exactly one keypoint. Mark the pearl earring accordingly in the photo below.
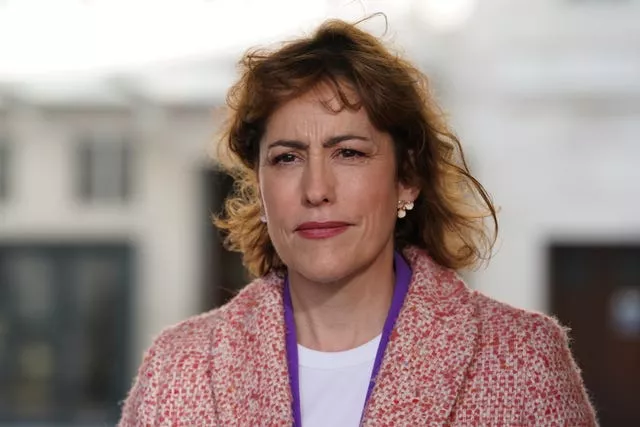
(403, 207)
(263, 219)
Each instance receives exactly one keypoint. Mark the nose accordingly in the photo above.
(318, 182)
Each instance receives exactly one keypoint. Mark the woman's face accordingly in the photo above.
(328, 187)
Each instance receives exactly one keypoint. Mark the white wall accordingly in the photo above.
(546, 97)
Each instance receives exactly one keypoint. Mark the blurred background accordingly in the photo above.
(108, 112)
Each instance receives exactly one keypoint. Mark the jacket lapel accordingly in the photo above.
(430, 348)
(249, 365)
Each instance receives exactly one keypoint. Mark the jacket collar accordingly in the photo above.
(424, 365)
(429, 351)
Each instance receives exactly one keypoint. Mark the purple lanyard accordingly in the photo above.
(403, 279)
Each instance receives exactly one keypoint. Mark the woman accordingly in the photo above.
(354, 207)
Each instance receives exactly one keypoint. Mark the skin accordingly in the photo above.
(319, 165)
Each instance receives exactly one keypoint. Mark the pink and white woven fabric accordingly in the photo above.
(455, 357)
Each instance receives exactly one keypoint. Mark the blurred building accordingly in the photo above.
(107, 186)
(103, 219)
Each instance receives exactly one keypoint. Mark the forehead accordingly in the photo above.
(318, 110)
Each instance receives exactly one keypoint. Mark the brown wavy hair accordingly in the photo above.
(449, 217)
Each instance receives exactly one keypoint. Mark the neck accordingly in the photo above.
(345, 314)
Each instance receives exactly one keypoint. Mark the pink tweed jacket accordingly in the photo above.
(455, 357)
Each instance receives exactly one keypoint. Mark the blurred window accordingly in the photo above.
(63, 334)
(104, 165)
(4, 169)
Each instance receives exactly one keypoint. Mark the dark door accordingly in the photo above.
(224, 273)
(595, 290)
(64, 320)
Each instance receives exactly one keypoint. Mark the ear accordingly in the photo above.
(407, 192)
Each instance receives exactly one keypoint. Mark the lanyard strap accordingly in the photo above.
(403, 278)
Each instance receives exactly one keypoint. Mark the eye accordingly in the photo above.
(349, 153)
(284, 158)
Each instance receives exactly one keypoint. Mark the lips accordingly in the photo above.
(321, 230)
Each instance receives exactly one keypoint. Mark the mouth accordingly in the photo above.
(321, 230)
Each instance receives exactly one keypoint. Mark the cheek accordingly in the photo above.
(372, 193)
(277, 193)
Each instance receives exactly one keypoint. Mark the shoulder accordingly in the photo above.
(199, 333)
(176, 372)
(501, 320)
(532, 351)
(498, 323)
(521, 338)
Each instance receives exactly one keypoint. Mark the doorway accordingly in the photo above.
(64, 322)
(595, 290)
(224, 273)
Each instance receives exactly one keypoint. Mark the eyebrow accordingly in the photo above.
(299, 145)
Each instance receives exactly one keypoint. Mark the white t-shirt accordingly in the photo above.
(333, 385)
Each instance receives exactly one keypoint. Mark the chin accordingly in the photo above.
(321, 267)
(324, 268)
(323, 277)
